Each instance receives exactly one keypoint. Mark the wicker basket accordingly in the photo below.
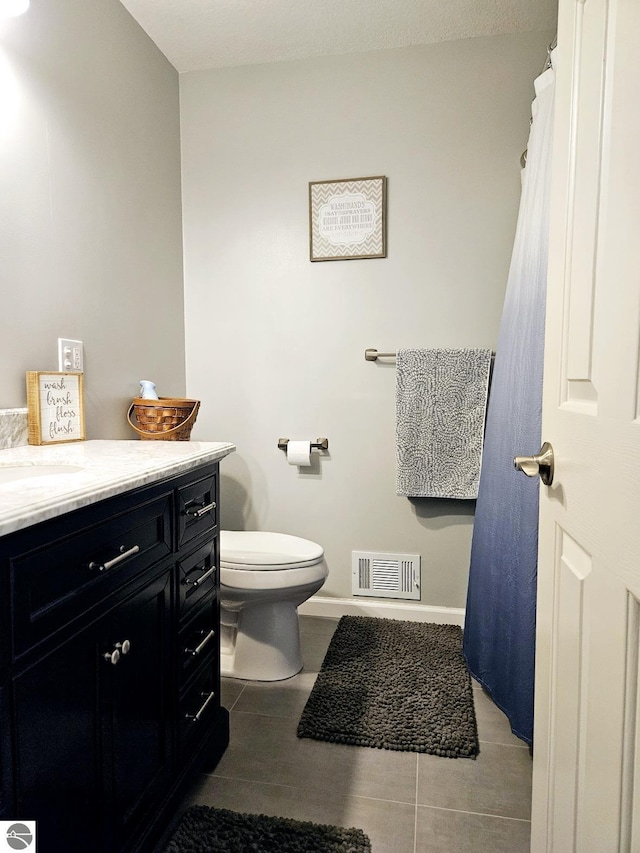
(166, 419)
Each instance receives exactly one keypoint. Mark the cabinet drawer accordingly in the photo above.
(198, 639)
(198, 576)
(63, 578)
(5, 618)
(197, 709)
(197, 508)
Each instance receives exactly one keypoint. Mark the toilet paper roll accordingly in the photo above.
(299, 453)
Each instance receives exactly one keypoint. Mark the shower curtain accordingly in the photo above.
(499, 633)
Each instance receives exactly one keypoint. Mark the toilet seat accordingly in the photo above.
(260, 551)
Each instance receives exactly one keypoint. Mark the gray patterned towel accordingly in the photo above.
(441, 398)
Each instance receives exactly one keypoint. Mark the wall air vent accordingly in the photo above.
(385, 575)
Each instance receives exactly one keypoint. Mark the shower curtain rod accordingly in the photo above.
(373, 354)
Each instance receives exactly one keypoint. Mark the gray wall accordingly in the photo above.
(275, 344)
(90, 219)
(90, 248)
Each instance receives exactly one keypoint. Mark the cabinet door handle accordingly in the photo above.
(195, 717)
(203, 643)
(198, 510)
(188, 582)
(123, 555)
(119, 649)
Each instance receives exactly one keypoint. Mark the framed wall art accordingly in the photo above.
(347, 219)
(55, 407)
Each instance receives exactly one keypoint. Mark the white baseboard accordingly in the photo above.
(337, 607)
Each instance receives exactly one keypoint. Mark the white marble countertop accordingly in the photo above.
(106, 468)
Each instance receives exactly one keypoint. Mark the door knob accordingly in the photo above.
(541, 463)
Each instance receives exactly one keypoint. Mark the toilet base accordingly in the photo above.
(261, 642)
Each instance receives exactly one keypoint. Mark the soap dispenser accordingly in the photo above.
(148, 390)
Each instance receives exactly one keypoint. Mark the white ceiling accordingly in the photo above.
(198, 34)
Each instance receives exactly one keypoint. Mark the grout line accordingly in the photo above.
(270, 716)
(215, 775)
(500, 743)
(480, 814)
(235, 701)
(267, 715)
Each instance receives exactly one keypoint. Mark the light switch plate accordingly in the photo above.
(70, 356)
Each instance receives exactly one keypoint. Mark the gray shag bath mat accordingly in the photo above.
(394, 685)
(207, 830)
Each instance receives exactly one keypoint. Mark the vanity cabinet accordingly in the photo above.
(6, 801)
(111, 682)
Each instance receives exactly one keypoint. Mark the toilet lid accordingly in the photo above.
(254, 549)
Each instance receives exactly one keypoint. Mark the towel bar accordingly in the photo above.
(371, 354)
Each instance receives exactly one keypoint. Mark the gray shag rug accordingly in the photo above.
(394, 685)
(207, 830)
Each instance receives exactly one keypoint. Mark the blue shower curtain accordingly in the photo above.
(499, 633)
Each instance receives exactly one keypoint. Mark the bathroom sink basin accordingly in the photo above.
(13, 473)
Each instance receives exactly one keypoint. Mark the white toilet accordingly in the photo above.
(263, 579)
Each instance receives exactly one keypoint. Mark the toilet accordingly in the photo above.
(263, 578)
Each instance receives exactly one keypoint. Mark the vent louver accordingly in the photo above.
(386, 575)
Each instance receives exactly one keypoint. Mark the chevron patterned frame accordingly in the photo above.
(348, 219)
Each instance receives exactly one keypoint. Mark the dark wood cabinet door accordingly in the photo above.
(138, 754)
(6, 804)
(92, 736)
(58, 708)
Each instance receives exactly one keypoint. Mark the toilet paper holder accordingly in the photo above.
(318, 444)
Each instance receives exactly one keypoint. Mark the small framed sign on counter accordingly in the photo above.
(55, 407)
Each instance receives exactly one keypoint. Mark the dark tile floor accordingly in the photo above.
(405, 802)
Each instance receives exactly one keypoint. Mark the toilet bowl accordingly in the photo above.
(263, 578)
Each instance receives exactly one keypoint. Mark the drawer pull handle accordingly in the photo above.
(197, 511)
(195, 583)
(123, 555)
(112, 657)
(200, 647)
(195, 717)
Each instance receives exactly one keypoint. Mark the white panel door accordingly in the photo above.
(586, 753)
